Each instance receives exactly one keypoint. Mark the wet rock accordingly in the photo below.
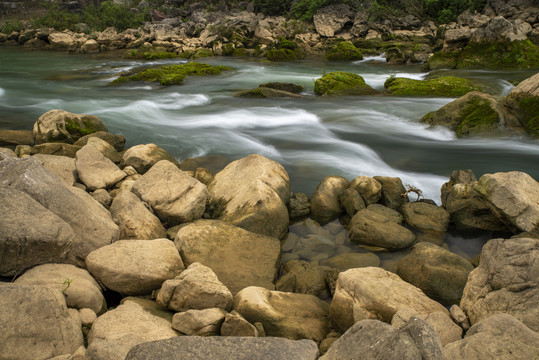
(325, 205)
(174, 196)
(505, 281)
(59, 125)
(238, 257)
(393, 215)
(264, 92)
(441, 323)
(426, 217)
(351, 201)
(299, 205)
(304, 278)
(196, 288)
(342, 83)
(205, 322)
(135, 267)
(252, 193)
(289, 315)
(143, 157)
(392, 190)
(374, 293)
(369, 189)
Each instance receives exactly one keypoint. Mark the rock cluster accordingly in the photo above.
(72, 233)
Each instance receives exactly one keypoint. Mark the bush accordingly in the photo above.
(11, 26)
(272, 7)
(445, 11)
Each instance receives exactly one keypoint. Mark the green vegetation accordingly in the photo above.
(10, 26)
(150, 55)
(284, 50)
(477, 117)
(445, 11)
(344, 51)
(293, 88)
(200, 53)
(240, 52)
(529, 115)
(172, 74)
(446, 86)
(342, 83)
(78, 130)
(96, 18)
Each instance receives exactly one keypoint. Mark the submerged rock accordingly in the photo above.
(266, 92)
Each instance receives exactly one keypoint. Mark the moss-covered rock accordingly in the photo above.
(172, 74)
(344, 51)
(290, 87)
(240, 52)
(196, 54)
(284, 50)
(523, 101)
(228, 49)
(342, 83)
(473, 114)
(521, 54)
(265, 92)
(446, 86)
(150, 55)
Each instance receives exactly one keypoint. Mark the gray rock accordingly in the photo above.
(507, 280)
(135, 267)
(325, 205)
(376, 340)
(134, 219)
(103, 197)
(95, 170)
(174, 196)
(238, 257)
(500, 29)
(225, 348)
(62, 166)
(501, 336)
(30, 234)
(206, 322)
(59, 125)
(143, 157)
(35, 323)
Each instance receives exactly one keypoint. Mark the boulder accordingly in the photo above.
(196, 288)
(523, 102)
(62, 41)
(374, 293)
(342, 83)
(299, 205)
(351, 201)
(416, 340)
(117, 141)
(58, 125)
(236, 325)
(135, 267)
(90, 47)
(205, 322)
(304, 278)
(30, 234)
(500, 29)
(392, 191)
(58, 149)
(238, 257)
(373, 229)
(225, 348)
(143, 157)
(105, 148)
(445, 328)
(252, 193)
(331, 19)
(426, 217)
(506, 281)
(441, 274)
(514, 199)
(391, 214)
(347, 261)
(500, 336)
(265, 92)
(78, 286)
(12, 138)
(133, 322)
(134, 219)
(369, 189)
(289, 315)
(325, 205)
(62, 166)
(175, 196)
(95, 170)
(445, 86)
(36, 323)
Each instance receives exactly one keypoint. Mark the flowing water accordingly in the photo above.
(311, 136)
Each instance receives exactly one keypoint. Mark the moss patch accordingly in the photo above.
(284, 50)
(529, 115)
(293, 88)
(344, 51)
(150, 55)
(78, 130)
(342, 83)
(172, 74)
(240, 52)
(447, 86)
(477, 117)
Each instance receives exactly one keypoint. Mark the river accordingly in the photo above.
(312, 136)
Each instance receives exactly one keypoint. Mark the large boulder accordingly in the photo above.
(134, 219)
(225, 348)
(331, 19)
(523, 101)
(514, 198)
(175, 196)
(59, 125)
(91, 223)
(62, 166)
(238, 257)
(342, 83)
(374, 229)
(78, 286)
(289, 315)
(325, 205)
(62, 41)
(30, 234)
(206, 322)
(369, 189)
(373, 339)
(133, 322)
(252, 193)
(500, 29)
(196, 288)
(392, 192)
(95, 170)
(143, 157)
(506, 281)
(374, 293)
(135, 267)
(35, 323)
(304, 278)
(500, 336)
(12, 138)
(441, 274)
(425, 217)
(473, 114)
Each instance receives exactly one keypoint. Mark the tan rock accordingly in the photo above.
(325, 205)
(205, 322)
(59, 125)
(446, 329)
(143, 157)
(95, 170)
(62, 166)
(369, 189)
(236, 325)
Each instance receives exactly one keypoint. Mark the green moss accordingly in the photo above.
(228, 49)
(529, 115)
(442, 60)
(344, 51)
(254, 93)
(447, 86)
(477, 117)
(240, 52)
(342, 83)
(78, 130)
(150, 55)
(173, 74)
(281, 55)
(293, 88)
(200, 53)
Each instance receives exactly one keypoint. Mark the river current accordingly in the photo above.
(312, 136)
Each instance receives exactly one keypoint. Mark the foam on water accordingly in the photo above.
(506, 87)
(379, 58)
(2, 92)
(377, 80)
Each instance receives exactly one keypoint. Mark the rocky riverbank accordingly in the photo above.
(113, 253)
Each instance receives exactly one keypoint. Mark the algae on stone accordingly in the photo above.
(344, 51)
(342, 83)
(447, 86)
(172, 74)
(150, 55)
(284, 50)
